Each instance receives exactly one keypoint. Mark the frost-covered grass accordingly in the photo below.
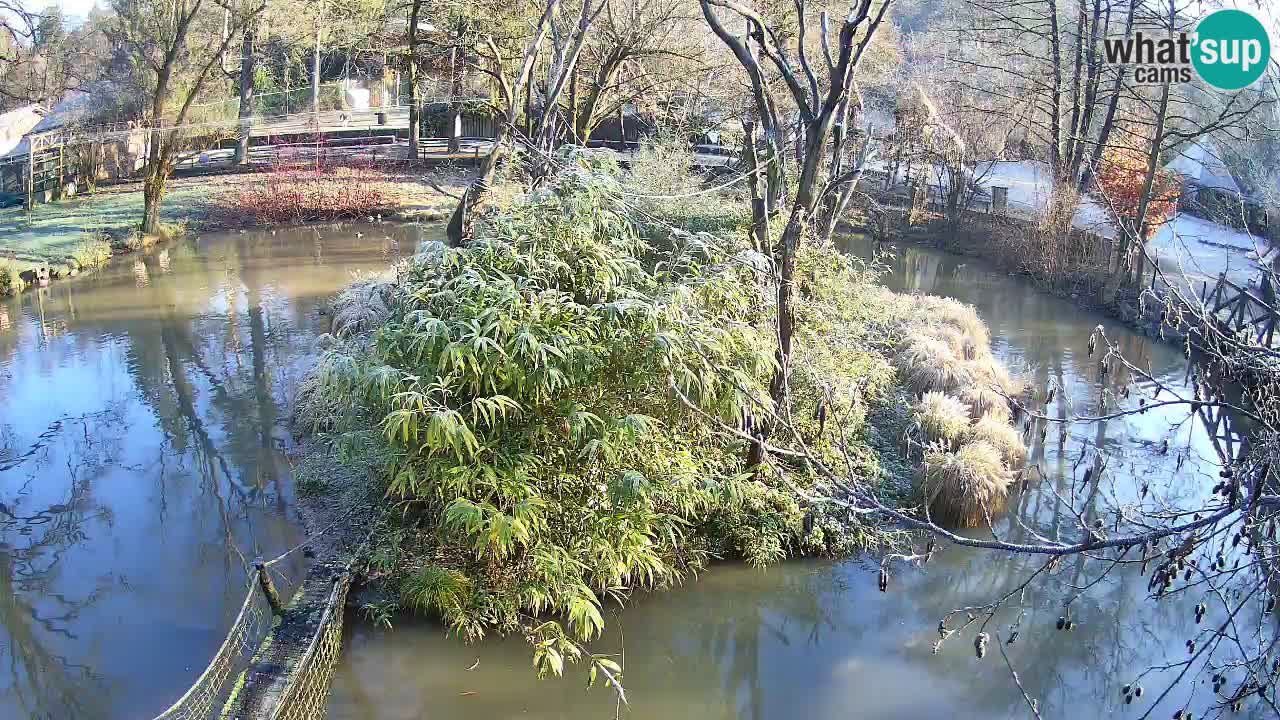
(63, 234)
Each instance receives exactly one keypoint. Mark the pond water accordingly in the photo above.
(817, 640)
(144, 455)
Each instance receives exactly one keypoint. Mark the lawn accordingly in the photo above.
(52, 231)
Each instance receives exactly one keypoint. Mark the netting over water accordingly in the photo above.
(307, 695)
(210, 691)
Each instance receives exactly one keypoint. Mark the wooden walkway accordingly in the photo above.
(289, 676)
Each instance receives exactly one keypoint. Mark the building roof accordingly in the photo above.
(79, 106)
(15, 124)
(1200, 164)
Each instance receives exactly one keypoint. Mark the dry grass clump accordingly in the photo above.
(1003, 437)
(961, 345)
(941, 419)
(963, 416)
(927, 364)
(965, 487)
(947, 311)
(984, 400)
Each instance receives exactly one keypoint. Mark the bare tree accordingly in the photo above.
(159, 34)
(640, 50)
(17, 32)
(543, 123)
(820, 107)
(248, 65)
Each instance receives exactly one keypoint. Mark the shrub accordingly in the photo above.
(661, 180)
(312, 193)
(361, 308)
(1123, 177)
(965, 487)
(92, 252)
(10, 283)
(521, 388)
(941, 419)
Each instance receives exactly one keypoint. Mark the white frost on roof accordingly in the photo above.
(1200, 164)
(1030, 185)
(15, 124)
(1201, 250)
(1186, 244)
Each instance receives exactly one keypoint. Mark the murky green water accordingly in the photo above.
(144, 453)
(817, 640)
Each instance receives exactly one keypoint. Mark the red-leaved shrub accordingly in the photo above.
(1122, 178)
(310, 193)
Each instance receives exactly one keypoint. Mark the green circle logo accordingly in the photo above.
(1231, 49)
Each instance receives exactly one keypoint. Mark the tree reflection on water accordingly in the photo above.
(142, 460)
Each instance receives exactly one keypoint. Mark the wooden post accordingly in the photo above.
(268, 587)
(31, 174)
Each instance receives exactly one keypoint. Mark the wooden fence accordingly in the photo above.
(1251, 310)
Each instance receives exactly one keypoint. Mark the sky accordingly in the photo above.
(70, 8)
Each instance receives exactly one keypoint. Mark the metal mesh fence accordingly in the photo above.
(207, 695)
(307, 696)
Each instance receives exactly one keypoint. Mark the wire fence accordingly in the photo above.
(307, 696)
(306, 692)
(211, 690)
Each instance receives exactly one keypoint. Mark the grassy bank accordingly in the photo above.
(65, 238)
(555, 413)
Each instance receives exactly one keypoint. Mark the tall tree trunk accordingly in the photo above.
(155, 174)
(415, 110)
(455, 90)
(1077, 94)
(315, 68)
(153, 186)
(759, 204)
(1132, 271)
(247, 62)
(1055, 99)
(1141, 226)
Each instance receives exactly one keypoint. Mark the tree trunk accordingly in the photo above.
(1055, 98)
(246, 95)
(455, 89)
(759, 211)
(152, 195)
(1141, 226)
(315, 71)
(473, 198)
(415, 132)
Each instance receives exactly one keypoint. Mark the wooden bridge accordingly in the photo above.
(1241, 310)
(277, 661)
